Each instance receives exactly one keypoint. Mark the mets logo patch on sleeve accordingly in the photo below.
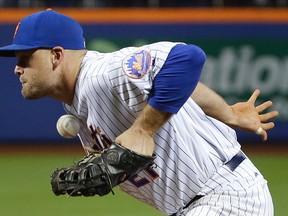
(137, 64)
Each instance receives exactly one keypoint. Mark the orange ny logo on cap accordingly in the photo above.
(16, 30)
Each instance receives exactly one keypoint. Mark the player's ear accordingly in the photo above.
(57, 55)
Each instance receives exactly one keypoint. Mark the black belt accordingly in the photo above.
(193, 200)
(235, 161)
(189, 203)
(232, 165)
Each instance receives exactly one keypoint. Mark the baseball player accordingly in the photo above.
(149, 100)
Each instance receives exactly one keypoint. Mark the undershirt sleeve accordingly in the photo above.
(177, 79)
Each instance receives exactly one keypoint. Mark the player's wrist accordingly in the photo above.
(231, 119)
(137, 140)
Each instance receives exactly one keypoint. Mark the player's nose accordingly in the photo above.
(18, 70)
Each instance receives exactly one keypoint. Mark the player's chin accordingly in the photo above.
(31, 95)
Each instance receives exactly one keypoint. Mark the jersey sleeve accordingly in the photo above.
(163, 74)
(178, 77)
(133, 69)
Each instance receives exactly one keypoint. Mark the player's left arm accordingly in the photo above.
(244, 115)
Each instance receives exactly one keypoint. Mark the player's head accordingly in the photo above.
(45, 29)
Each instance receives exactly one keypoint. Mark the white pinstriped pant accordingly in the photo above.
(242, 192)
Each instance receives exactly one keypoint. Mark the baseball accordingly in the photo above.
(68, 126)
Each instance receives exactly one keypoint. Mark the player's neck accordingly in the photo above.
(70, 73)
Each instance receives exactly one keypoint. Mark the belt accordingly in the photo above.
(235, 161)
(189, 203)
(232, 165)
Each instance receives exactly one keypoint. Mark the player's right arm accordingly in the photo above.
(139, 137)
(243, 115)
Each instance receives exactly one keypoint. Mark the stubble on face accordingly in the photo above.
(33, 89)
(36, 79)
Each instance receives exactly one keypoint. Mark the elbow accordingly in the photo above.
(197, 57)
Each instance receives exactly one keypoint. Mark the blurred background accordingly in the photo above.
(143, 3)
(246, 43)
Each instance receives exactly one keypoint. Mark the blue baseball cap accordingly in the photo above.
(45, 29)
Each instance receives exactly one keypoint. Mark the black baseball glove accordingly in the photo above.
(99, 173)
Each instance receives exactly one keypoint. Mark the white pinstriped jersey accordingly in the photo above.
(190, 147)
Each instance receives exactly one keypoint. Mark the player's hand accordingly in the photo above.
(251, 118)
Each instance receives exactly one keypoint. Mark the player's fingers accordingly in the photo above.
(263, 106)
(261, 132)
(254, 96)
(268, 126)
(268, 116)
(264, 136)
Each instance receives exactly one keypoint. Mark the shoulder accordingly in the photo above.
(163, 46)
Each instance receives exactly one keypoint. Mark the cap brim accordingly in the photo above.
(9, 51)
